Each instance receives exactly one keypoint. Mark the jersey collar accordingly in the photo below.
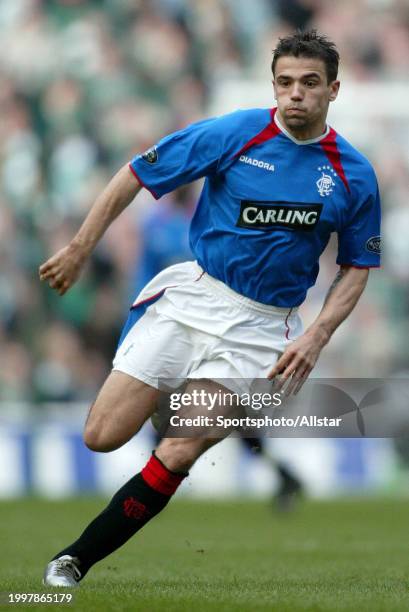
(295, 140)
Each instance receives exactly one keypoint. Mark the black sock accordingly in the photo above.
(286, 475)
(139, 500)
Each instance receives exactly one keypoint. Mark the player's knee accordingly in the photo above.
(179, 454)
(96, 444)
(96, 439)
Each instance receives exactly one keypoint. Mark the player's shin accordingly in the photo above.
(139, 500)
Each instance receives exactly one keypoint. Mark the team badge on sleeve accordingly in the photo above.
(374, 245)
(150, 156)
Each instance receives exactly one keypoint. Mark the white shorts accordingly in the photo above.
(186, 324)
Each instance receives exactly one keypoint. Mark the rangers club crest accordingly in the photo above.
(326, 183)
(134, 508)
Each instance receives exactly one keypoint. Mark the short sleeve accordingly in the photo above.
(181, 157)
(359, 242)
(202, 149)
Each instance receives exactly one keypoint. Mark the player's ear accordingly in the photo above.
(274, 89)
(334, 89)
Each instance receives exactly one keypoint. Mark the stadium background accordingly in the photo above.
(86, 85)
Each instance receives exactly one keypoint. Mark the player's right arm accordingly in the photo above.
(62, 269)
(199, 150)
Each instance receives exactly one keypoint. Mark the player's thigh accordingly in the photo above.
(123, 405)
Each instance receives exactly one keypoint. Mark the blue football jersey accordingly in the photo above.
(269, 202)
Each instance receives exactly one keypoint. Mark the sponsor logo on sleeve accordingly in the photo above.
(150, 156)
(280, 215)
(374, 245)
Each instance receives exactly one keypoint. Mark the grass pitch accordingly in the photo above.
(206, 556)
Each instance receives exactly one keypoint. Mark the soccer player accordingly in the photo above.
(168, 246)
(278, 183)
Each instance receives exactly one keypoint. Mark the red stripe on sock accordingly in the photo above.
(157, 476)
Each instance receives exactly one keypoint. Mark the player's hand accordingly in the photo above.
(296, 363)
(62, 269)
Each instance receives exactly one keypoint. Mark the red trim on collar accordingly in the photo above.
(270, 131)
(330, 147)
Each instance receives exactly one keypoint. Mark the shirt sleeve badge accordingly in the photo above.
(150, 156)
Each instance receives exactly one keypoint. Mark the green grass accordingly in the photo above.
(202, 556)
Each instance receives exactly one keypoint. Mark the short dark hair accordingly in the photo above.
(309, 44)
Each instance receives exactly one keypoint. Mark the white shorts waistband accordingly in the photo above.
(220, 288)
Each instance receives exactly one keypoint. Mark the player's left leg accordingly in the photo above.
(136, 503)
(289, 485)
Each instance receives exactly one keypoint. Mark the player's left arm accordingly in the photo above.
(300, 357)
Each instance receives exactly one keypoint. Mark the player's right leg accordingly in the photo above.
(121, 408)
(137, 501)
(151, 346)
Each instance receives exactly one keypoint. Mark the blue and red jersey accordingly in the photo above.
(269, 202)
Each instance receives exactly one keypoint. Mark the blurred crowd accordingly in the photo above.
(86, 84)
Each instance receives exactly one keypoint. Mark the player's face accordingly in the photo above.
(303, 94)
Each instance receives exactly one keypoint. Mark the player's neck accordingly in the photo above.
(306, 133)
